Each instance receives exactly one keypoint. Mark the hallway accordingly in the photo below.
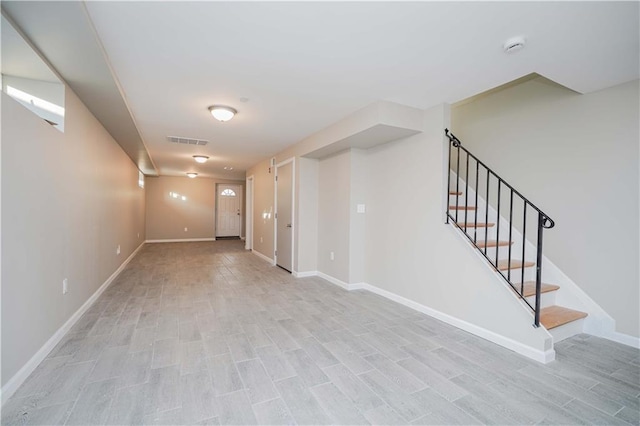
(207, 333)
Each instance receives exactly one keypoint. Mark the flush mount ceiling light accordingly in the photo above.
(222, 113)
(200, 158)
(514, 44)
(192, 175)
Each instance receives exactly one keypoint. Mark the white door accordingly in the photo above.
(284, 216)
(229, 215)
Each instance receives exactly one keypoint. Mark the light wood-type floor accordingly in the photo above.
(206, 333)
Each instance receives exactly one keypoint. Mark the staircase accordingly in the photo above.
(498, 230)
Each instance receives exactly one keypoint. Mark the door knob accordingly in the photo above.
(288, 225)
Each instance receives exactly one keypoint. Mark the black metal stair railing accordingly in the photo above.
(484, 176)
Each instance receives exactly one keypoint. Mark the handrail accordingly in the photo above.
(456, 143)
(544, 221)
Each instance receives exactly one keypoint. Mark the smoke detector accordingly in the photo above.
(514, 44)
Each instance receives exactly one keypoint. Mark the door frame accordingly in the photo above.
(240, 204)
(248, 229)
(291, 160)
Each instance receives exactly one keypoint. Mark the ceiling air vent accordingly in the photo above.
(187, 141)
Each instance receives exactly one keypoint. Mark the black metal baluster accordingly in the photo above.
(486, 214)
(449, 180)
(457, 179)
(498, 224)
(510, 230)
(524, 240)
(541, 221)
(475, 214)
(466, 195)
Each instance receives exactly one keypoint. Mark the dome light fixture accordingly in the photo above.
(192, 175)
(200, 158)
(222, 113)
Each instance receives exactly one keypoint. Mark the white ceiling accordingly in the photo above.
(304, 66)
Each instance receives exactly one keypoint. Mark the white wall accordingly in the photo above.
(357, 221)
(306, 224)
(400, 247)
(333, 215)
(68, 200)
(263, 207)
(576, 157)
(167, 217)
(411, 253)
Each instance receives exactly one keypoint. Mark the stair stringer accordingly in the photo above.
(570, 295)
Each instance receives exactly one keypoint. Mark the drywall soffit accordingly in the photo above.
(367, 138)
(376, 124)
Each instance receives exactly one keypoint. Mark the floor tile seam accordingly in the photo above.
(384, 400)
(75, 403)
(579, 390)
(461, 407)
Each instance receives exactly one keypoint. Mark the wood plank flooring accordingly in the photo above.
(207, 333)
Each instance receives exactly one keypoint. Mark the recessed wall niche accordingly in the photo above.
(28, 79)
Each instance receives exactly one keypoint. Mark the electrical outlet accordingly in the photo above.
(186, 229)
(332, 256)
(118, 250)
(261, 240)
(65, 286)
(138, 235)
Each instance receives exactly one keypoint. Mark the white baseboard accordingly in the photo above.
(532, 353)
(181, 240)
(14, 383)
(304, 274)
(625, 339)
(263, 257)
(333, 280)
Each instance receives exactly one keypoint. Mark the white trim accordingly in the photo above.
(336, 281)
(293, 208)
(240, 193)
(18, 379)
(333, 280)
(625, 339)
(532, 353)
(250, 183)
(180, 240)
(535, 354)
(304, 274)
(263, 257)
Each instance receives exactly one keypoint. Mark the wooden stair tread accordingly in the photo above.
(555, 316)
(462, 207)
(503, 265)
(530, 288)
(478, 225)
(455, 193)
(492, 243)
